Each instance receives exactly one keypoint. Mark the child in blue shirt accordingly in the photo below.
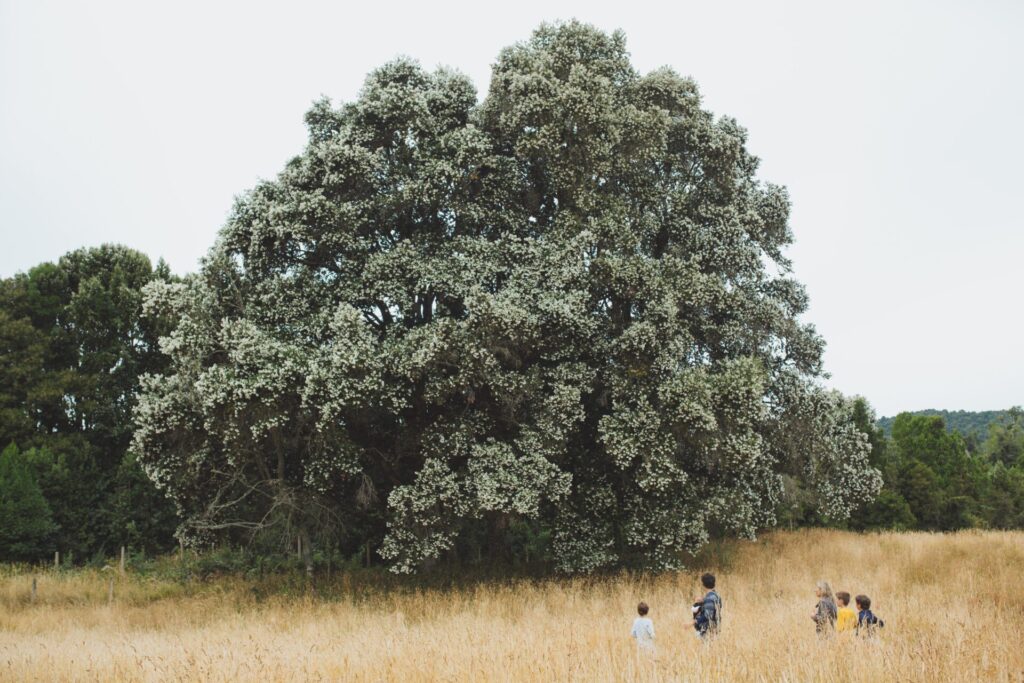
(707, 611)
(867, 622)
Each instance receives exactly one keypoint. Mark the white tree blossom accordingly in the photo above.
(567, 304)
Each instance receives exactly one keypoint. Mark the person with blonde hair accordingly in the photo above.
(824, 614)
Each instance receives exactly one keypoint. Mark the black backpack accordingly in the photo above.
(870, 621)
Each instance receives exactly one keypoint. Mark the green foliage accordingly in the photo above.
(889, 511)
(73, 347)
(1005, 442)
(22, 349)
(25, 519)
(864, 418)
(940, 480)
(970, 424)
(1005, 500)
(141, 517)
(934, 481)
(920, 487)
(70, 480)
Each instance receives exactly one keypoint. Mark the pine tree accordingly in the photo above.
(25, 520)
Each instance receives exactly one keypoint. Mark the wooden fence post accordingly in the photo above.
(33, 589)
(122, 560)
(110, 592)
(56, 559)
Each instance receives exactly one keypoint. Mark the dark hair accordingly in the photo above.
(864, 602)
(641, 609)
(708, 580)
(843, 597)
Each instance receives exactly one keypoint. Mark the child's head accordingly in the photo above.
(843, 597)
(863, 602)
(708, 581)
(642, 609)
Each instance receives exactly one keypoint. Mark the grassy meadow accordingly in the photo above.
(953, 606)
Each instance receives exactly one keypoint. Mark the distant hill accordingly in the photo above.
(962, 421)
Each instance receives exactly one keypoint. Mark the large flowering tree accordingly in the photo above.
(566, 306)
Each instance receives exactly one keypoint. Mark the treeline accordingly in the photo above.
(937, 479)
(972, 425)
(73, 344)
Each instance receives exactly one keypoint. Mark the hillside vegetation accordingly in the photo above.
(963, 421)
(951, 604)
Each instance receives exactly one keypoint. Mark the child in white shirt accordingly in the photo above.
(643, 630)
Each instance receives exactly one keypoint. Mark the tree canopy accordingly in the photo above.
(72, 347)
(565, 308)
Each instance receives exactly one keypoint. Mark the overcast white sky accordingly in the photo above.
(897, 127)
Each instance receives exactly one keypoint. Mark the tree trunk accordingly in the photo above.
(307, 555)
(496, 547)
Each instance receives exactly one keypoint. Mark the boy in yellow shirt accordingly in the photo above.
(846, 617)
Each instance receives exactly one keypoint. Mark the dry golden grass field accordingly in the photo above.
(953, 606)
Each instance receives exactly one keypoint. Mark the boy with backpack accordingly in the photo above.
(867, 622)
(707, 612)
